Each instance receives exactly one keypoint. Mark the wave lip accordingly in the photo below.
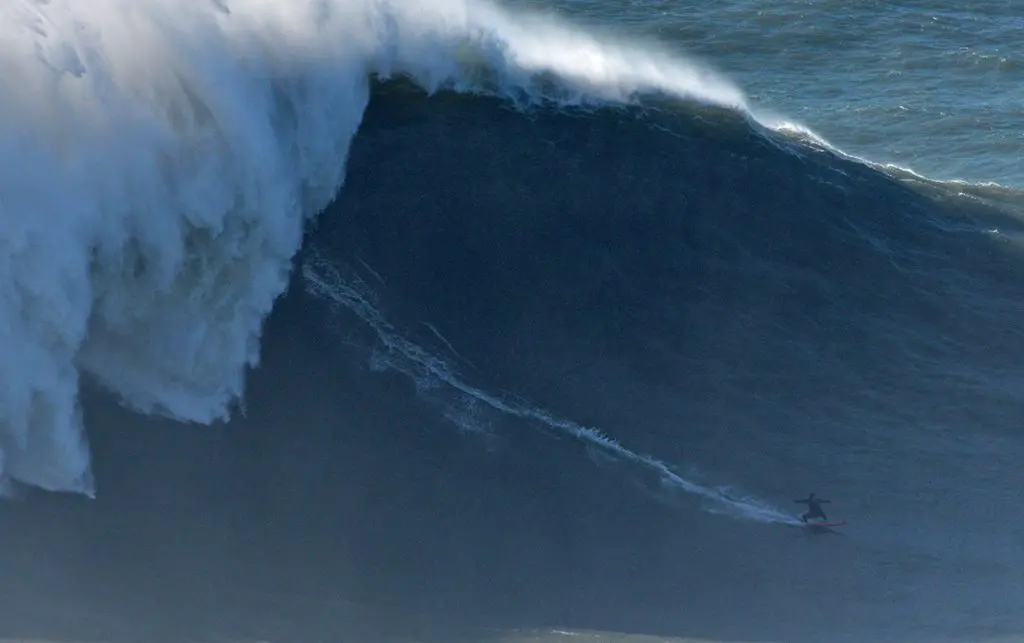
(527, 49)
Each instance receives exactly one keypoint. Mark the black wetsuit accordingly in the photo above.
(813, 508)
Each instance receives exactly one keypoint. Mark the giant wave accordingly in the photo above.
(194, 149)
(162, 162)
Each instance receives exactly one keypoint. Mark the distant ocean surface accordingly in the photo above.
(933, 87)
(389, 320)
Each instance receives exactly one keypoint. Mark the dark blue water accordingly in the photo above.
(775, 318)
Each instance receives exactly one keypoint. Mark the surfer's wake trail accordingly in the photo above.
(354, 295)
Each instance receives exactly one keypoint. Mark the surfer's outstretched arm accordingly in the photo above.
(825, 501)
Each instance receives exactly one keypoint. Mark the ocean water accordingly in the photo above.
(370, 321)
(925, 86)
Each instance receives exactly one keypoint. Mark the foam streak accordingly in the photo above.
(326, 282)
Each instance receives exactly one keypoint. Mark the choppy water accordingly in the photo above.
(935, 87)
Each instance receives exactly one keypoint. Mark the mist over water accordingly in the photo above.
(387, 320)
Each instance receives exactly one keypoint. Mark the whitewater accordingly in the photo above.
(162, 162)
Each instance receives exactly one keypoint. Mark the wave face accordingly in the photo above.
(547, 276)
(720, 313)
(763, 294)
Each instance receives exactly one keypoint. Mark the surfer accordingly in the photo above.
(813, 507)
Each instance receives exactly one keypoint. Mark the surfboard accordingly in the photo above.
(825, 525)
